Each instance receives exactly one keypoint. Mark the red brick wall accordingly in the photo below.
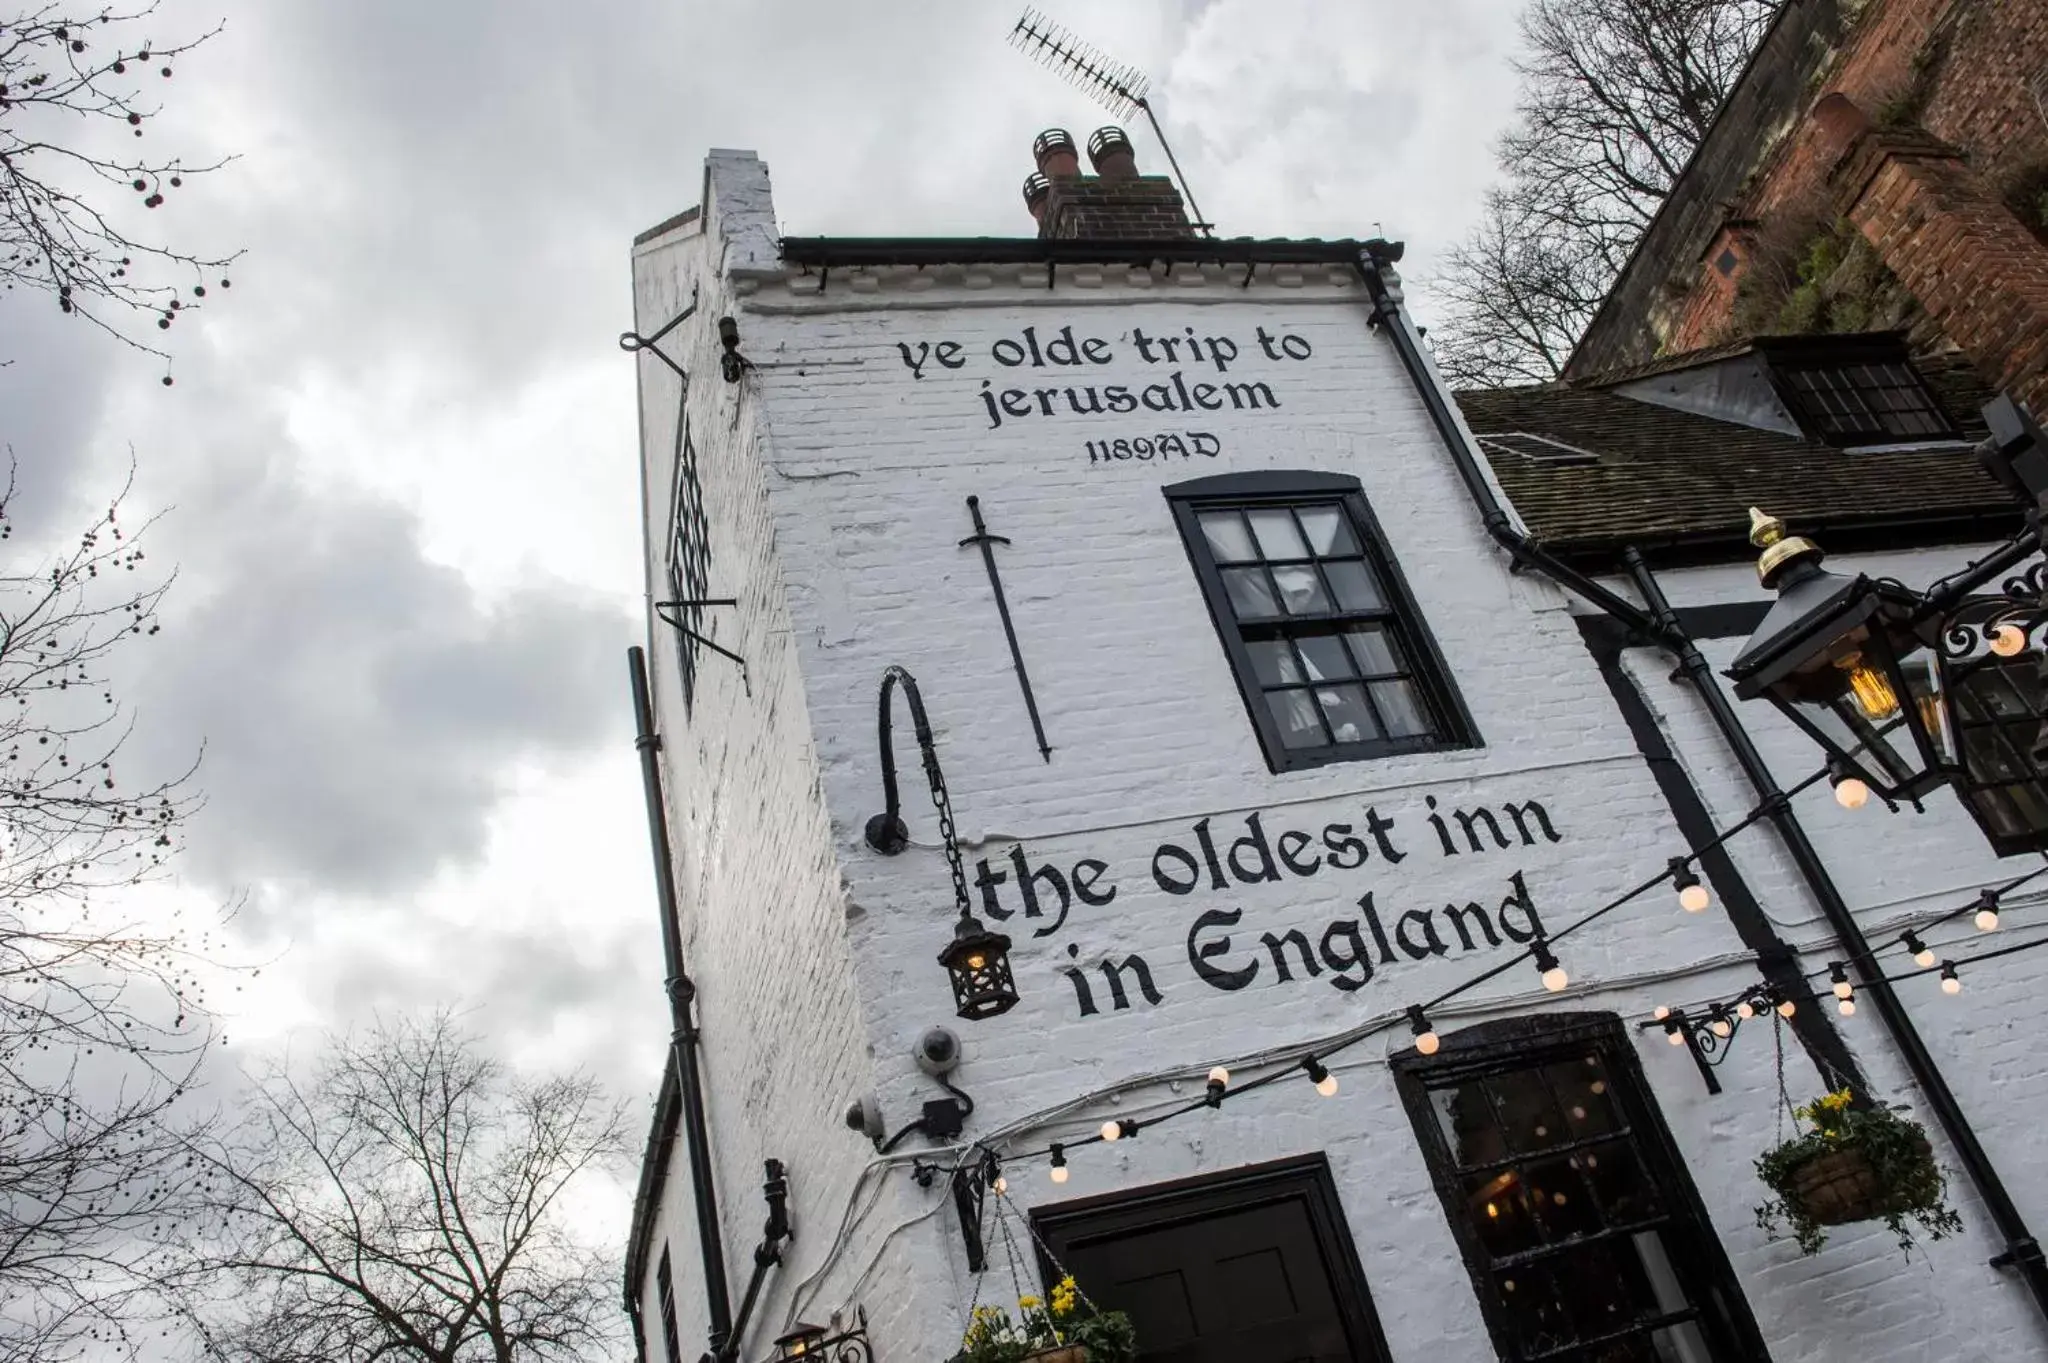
(1141, 207)
(1963, 71)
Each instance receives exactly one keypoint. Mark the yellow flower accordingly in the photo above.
(1836, 1101)
(1029, 1303)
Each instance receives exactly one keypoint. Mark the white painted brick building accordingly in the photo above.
(1207, 883)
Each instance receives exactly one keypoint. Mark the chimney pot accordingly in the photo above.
(1055, 153)
(1109, 149)
(1036, 188)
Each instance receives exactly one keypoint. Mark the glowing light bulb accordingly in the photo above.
(1555, 979)
(1986, 920)
(1949, 983)
(1923, 954)
(1426, 1040)
(1059, 1164)
(1851, 793)
(976, 961)
(1694, 898)
(1219, 1075)
(1661, 1013)
(1325, 1082)
(1001, 1185)
(1675, 1037)
(1870, 688)
(1327, 1085)
(1112, 1131)
(1787, 1008)
(1745, 1010)
(2008, 640)
(1721, 1027)
(1847, 1008)
(1840, 976)
(1059, 1173)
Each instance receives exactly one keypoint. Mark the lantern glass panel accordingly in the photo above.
(1869, 707)
(1996, 716)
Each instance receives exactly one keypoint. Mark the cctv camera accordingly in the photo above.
(938, 1051)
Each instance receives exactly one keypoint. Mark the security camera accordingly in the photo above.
(938, 1051)
(865, 1116)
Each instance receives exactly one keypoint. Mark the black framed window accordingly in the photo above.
(1585, 1240)
(689, 556)
(1874, 399)
(1328, 647)
(665, 1284)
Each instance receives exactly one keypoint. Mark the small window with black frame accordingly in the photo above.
(1852, 394)
(1585, 1241)
(1329, 649)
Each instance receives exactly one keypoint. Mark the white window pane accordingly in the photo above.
(1295, 713)
(1274, 661)
(1329, 530)
(1325, 656)
(1402, 708)
(1349, 718)
(1229, 541)
(1352, 581)
(1250, 595)
(1377, 654)
(1301, 591)
(1278, 537)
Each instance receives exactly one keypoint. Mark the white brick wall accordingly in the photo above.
(837, 478)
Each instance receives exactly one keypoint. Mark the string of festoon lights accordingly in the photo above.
(1679, 872)
(1721, 1016)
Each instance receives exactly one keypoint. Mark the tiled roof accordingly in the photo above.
(1679, 486)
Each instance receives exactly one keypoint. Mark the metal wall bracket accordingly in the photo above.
(1707, 1050)
(970, 1186)
(663, 609)
(633, 342)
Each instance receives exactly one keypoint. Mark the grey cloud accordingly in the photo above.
(359, 704)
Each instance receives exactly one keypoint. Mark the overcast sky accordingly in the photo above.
(399, 455)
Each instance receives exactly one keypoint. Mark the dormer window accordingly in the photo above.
(1851, 402)
(1857, 392)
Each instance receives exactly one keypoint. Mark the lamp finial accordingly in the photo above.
(1767, 533)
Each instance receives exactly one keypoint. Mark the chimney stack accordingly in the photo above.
(1114, 204)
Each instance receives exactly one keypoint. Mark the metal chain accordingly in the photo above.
(1784, 1098)
(947, 836)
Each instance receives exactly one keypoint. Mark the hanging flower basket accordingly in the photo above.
(1062, 1353)
(1856, 1164)
(1067, 1329)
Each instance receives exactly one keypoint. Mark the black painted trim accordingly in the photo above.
(1304, 1177)
(1433, 675)
(1522, 1042)
(1775, 958)
(829, 251)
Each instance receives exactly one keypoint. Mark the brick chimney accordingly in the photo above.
(1976, 269)
(1114, 204)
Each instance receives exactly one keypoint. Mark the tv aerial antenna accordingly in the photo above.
(1117, 87)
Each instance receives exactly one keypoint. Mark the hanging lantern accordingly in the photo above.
(1900, 700)
(1840, 657)
(979, 962)
(801, 1341)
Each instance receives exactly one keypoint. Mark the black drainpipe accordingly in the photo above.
(767, 1254)
(2021, 1249)
(682, 996)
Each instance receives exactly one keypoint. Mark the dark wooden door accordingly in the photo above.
(1249, 1267)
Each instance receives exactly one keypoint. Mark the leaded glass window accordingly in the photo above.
(1328, 647)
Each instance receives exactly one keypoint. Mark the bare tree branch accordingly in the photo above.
(102, 1032)
(404, 1203)
(1616, 96)
(73, 101)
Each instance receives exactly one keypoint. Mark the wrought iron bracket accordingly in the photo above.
(663, 609)
(1707, 1050)
(633, 342)
(848, 1346)
(970, 1187)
